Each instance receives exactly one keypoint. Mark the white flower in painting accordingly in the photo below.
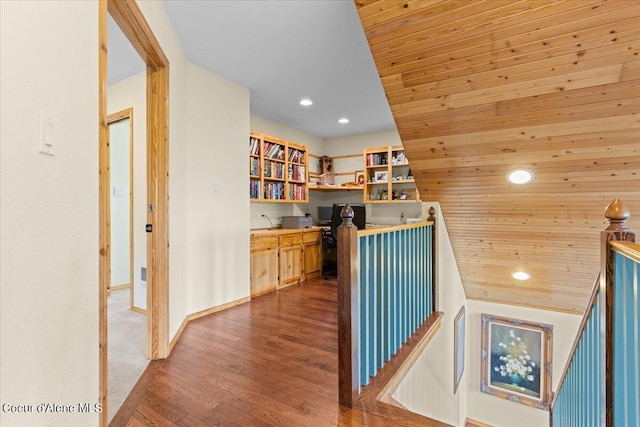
(515, 360)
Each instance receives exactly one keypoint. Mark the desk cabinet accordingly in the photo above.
(290, 248)
(281, 258)
(312, 254)
(264, 264)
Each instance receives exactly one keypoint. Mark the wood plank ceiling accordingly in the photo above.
(478, 88)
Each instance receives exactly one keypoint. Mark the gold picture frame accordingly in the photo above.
(516, 357)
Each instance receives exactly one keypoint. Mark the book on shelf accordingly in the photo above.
(274, 190)
(273, 169)
(254, 146)
(296, 156)
(376, 159)
(297, 192)
(297, 172)
(254, 189)
(254, 166)
(273, 150)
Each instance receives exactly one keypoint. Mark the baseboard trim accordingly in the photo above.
(473, 423)
(117, 288)
(203, 313)
(138, 310)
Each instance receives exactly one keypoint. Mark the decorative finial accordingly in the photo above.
(617, 214)
(347, 215)
(432, 214)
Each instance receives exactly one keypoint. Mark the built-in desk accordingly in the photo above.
(284, 257)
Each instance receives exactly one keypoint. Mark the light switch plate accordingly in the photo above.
(45, 135)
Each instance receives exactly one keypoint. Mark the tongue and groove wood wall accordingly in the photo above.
(478, 88)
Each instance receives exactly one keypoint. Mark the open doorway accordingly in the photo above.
(129, 18)
(126, 316)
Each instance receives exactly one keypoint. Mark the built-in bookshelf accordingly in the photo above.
(277, 170)
(388, 177)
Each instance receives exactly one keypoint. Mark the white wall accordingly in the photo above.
(49, 210)
(217, 197)
(131, 93)
(428, 387)
(501, 412)
(120, 196)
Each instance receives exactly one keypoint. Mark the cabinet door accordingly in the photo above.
(312, 261)
(264, 271)
(290, 265)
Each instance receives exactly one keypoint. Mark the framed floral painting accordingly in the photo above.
(517, 360)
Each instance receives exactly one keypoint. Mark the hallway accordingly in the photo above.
(272, 361)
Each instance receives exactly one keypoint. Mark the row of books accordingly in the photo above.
(297, 192)
(254, 146)
(274, 190)
(254, 166)
(296, 156)
(273, 150)
(376, 159)
(273, 169)
(297, 173)
(254, 189)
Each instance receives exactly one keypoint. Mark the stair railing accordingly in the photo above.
(600, 383)
(386, 291)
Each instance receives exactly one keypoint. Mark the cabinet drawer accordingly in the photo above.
(259, 243)
(291, 239)
(311, 237)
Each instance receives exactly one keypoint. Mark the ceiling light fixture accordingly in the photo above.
(521, 275)
(306, 102)
(520, 176)
(343, 121)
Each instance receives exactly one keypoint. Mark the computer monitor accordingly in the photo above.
(359, 216)
(324, 215)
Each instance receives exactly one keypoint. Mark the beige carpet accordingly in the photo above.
(126, 348)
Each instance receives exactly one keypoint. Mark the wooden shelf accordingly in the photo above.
(330, 188)
(292, 186)
(383, 162)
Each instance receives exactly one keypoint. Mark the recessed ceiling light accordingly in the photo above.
(521, 275)
(343, 121)
(306, 102)
(520, 176)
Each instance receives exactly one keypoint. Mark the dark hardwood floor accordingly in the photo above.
(272, 361)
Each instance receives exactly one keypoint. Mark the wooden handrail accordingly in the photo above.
(628, 249)
(391, 228)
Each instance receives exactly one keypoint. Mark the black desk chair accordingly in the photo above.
(329, 253)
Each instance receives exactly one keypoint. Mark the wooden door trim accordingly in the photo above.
(127, 114)
(133, 24)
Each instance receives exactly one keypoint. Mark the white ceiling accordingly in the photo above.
(282, 51)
